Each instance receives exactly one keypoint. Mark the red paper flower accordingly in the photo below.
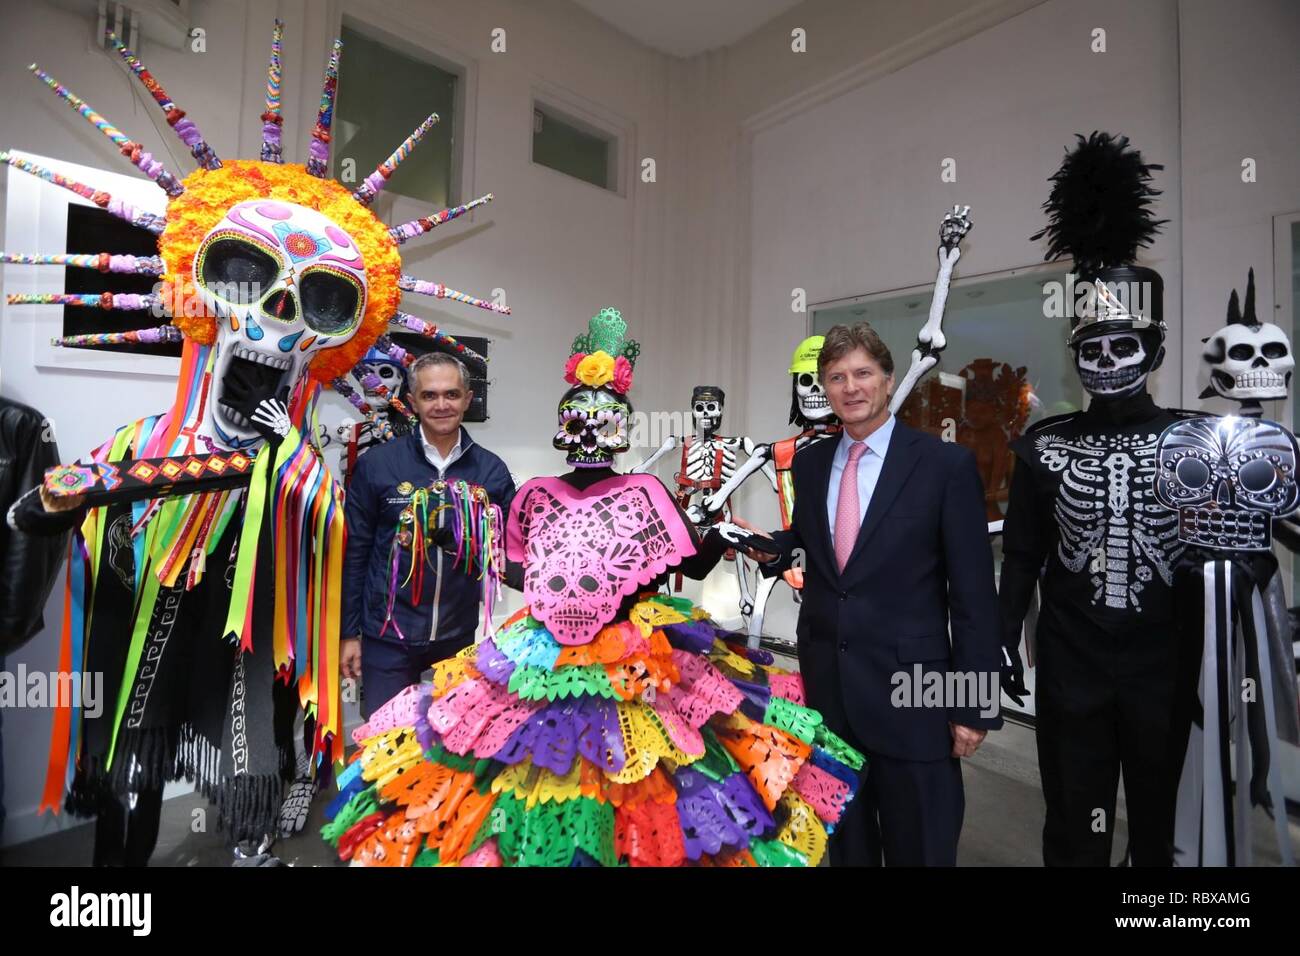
(622, 375)
(571, 367)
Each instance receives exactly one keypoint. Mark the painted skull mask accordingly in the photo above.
(810, 406)
(1228, 478)
(378, 369)
(1115, 364)
(707, 402)
(1249, 362)
(284, 283)
(594, 426)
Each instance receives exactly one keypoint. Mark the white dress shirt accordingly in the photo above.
(435, 457)
(869, 465)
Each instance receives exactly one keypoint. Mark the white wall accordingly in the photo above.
(1240, 82)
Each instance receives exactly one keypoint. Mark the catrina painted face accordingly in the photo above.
(594, 425)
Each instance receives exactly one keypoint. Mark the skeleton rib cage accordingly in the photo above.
(1107, 517)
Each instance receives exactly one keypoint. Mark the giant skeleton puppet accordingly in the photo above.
(708, 461)
(204, 577)
(811, 410)
(1230, 479)
(1085, 528)
(379, 376)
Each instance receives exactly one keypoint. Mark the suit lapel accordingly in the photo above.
(822, 455)
(900, 458)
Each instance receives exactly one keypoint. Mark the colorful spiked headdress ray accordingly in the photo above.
(200, 202)
(296, 279)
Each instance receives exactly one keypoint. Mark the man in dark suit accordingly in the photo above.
(899, 641)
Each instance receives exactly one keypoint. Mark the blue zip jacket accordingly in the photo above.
(449, 603)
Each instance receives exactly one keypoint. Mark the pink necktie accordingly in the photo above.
(847, 519)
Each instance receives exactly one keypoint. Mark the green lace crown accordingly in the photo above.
(607, 332)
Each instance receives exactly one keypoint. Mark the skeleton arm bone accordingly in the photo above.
(715, 501)
(930, 340)
(750, 448)
(646, 466)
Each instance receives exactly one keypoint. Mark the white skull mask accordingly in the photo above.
(813, 403)
(1249, 362)
(384, 373)
(1110, 365)
(284, 282)
(1228, 478)
(707, 414)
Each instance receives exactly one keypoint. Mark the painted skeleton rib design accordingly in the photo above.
(1110, 524)
(702, 453)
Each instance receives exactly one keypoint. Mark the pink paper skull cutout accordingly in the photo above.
(584, 552)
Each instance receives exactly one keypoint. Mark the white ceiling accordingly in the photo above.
(684, 28)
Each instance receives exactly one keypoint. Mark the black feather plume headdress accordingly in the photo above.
(1099, 212)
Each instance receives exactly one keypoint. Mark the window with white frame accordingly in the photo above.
(577, 148)
(370, 122)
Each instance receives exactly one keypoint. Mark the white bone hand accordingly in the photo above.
(272, 413)
(954, 226)
(731, 533)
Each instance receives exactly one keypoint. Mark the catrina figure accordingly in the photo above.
(605, 723)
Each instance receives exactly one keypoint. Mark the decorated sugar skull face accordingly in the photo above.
(1228, 478)
(810, 399)
(1116, 364)
(594, 425)
(382, 370)
(706, 409)
(284, 283)
(1249, 362)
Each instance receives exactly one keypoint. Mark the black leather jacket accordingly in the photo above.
(28, 564)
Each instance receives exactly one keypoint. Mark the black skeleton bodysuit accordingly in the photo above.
(1083, 524)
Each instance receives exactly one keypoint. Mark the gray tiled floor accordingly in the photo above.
(1004, 822)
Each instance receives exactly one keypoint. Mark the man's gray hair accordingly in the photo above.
(433, 360)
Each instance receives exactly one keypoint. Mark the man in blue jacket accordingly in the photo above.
(392, 654)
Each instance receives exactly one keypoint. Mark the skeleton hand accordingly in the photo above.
(696, 514)
(271, 418)
(712, 504)
(952, 230)
(741, 534)
(731, 533)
